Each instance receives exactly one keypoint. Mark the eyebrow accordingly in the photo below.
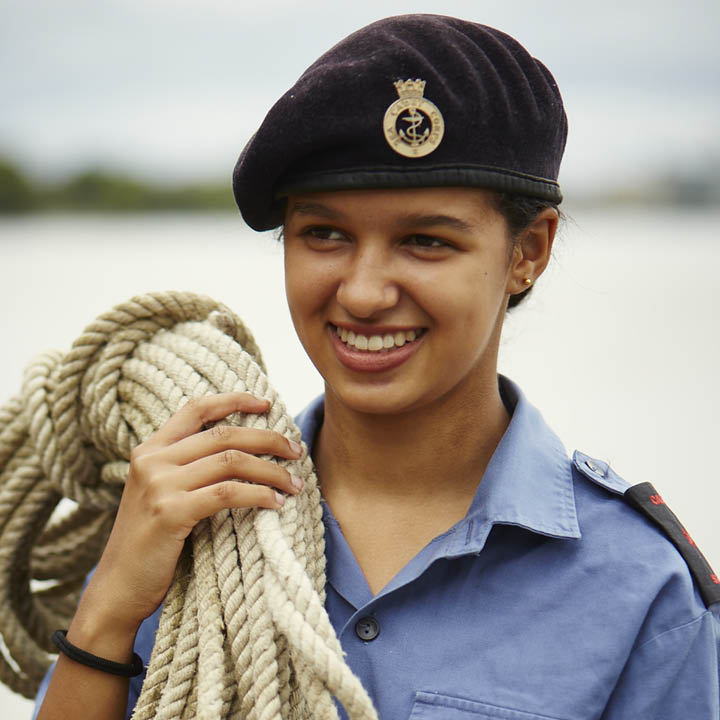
(448, 221)
(303, 207)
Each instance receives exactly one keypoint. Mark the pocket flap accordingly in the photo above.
(433, 706)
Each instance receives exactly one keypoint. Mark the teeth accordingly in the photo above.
(376, 343)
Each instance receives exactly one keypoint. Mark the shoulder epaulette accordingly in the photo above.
(645, 498)
(648, 501)
(600, 473)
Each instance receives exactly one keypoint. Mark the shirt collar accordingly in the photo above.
(528, 481)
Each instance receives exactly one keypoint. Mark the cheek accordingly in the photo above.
(308, 285)
(293, 286)
(296, 289)
(468, 309)
(298, 294)
(466, 296)
(296, 271)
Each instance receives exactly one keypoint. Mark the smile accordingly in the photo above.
(375, 353)
(377, 343)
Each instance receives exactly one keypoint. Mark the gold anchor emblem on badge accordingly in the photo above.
(413, 126)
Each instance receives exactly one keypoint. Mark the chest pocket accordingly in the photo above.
(432, 706)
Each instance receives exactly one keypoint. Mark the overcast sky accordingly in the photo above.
(174, 88)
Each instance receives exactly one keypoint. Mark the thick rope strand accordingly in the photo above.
(243, 632)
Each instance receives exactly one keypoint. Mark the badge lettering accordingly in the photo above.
(687, 537)
(413, 126)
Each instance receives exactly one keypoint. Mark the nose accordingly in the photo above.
(367, 287)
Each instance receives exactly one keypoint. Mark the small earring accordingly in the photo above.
(527, 281)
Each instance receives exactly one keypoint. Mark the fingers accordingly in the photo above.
(237, 465)
(224, 495)
(183, 462)
(182, 474)
(225, 437)
(198, 412)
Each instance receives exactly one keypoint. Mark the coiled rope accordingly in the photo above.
(243, 632)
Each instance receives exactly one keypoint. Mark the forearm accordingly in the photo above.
(79, 691)
(76, 690)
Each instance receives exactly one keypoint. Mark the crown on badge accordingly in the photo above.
(410, 88)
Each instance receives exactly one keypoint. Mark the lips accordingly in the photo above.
(375, 352)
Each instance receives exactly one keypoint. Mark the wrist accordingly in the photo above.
(110, 667)
(99, 628)
(114, 600)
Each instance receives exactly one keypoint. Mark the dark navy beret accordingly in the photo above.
(409, 101)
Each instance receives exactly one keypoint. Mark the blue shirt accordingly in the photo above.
(552, 599)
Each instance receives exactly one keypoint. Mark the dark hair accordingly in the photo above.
(519, 211)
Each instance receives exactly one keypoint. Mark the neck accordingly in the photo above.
(438, 452)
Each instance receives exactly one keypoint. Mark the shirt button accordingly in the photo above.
(594, 467)
(367, 628)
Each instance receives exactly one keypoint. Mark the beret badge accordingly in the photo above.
(413, 125)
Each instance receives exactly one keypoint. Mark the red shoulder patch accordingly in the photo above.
(648, 501)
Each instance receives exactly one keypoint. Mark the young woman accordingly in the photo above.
(474, 570)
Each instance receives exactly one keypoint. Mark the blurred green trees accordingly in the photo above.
(16, 194)
(100, 191)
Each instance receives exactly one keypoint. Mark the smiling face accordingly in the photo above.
(398, 296)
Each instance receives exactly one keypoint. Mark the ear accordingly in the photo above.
(532, 250)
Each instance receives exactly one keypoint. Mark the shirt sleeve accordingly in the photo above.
(673, 675)
(42, 690)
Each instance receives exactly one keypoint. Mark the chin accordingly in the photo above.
(377, 399)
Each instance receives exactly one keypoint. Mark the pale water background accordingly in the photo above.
(619, 348)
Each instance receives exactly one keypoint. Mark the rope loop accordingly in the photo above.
(260, 644)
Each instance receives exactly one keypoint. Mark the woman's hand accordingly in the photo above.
(180, 475)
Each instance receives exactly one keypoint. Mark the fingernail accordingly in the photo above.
(280, 499)
(295, 447)
(298, 484)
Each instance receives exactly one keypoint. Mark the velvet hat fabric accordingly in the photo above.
(483, 113)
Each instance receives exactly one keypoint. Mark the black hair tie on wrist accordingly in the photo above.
(93, 661)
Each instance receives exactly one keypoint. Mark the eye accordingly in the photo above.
(426, 242)
(320, 237)
(324, 233)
